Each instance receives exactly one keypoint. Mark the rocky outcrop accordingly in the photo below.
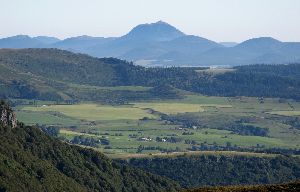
(7, 116)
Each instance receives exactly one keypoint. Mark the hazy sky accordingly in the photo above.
(218, 20)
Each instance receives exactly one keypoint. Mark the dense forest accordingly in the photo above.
(220, 170)
(52, 74)
(251, 81)
(287, 187)
(30, 160)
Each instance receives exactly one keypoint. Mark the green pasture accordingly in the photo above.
(119, 123)
(94, 112)
(44, 118)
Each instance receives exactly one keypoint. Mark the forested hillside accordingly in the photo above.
(32, 161)
(255, 81)
(52, 74)
(221, 170)
(287, 187)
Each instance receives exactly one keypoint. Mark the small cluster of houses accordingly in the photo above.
(149, 139)
(145, 139)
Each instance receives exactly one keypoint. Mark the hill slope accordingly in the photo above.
(32, 161)
(56, 74)
(52, 74)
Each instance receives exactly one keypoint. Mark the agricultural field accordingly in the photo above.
(194, 123)
(285, 113)
(94, 112)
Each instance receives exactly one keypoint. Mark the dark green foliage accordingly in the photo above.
(18, 90)
(292, 70)
(288, 187)
(245, 82)
(165, 91)
(61, 65)
(86, 141)
(214, 170)
(32, 161)
(273, 81)
(249, 130)
(50, 130)
(293, 121)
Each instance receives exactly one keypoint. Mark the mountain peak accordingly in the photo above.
(46, 39)
(260, 43)
(262, 40)
(18, 37)
(159, 31)
(84, 37)
(161, 22)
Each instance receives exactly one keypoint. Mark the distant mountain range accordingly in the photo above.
(162, 44)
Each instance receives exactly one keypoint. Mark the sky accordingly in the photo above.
(218, 20)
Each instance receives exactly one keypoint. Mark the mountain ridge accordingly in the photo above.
(162, 44)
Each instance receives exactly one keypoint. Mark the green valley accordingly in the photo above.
(239, 120)
(196, 96)
(190, 124)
